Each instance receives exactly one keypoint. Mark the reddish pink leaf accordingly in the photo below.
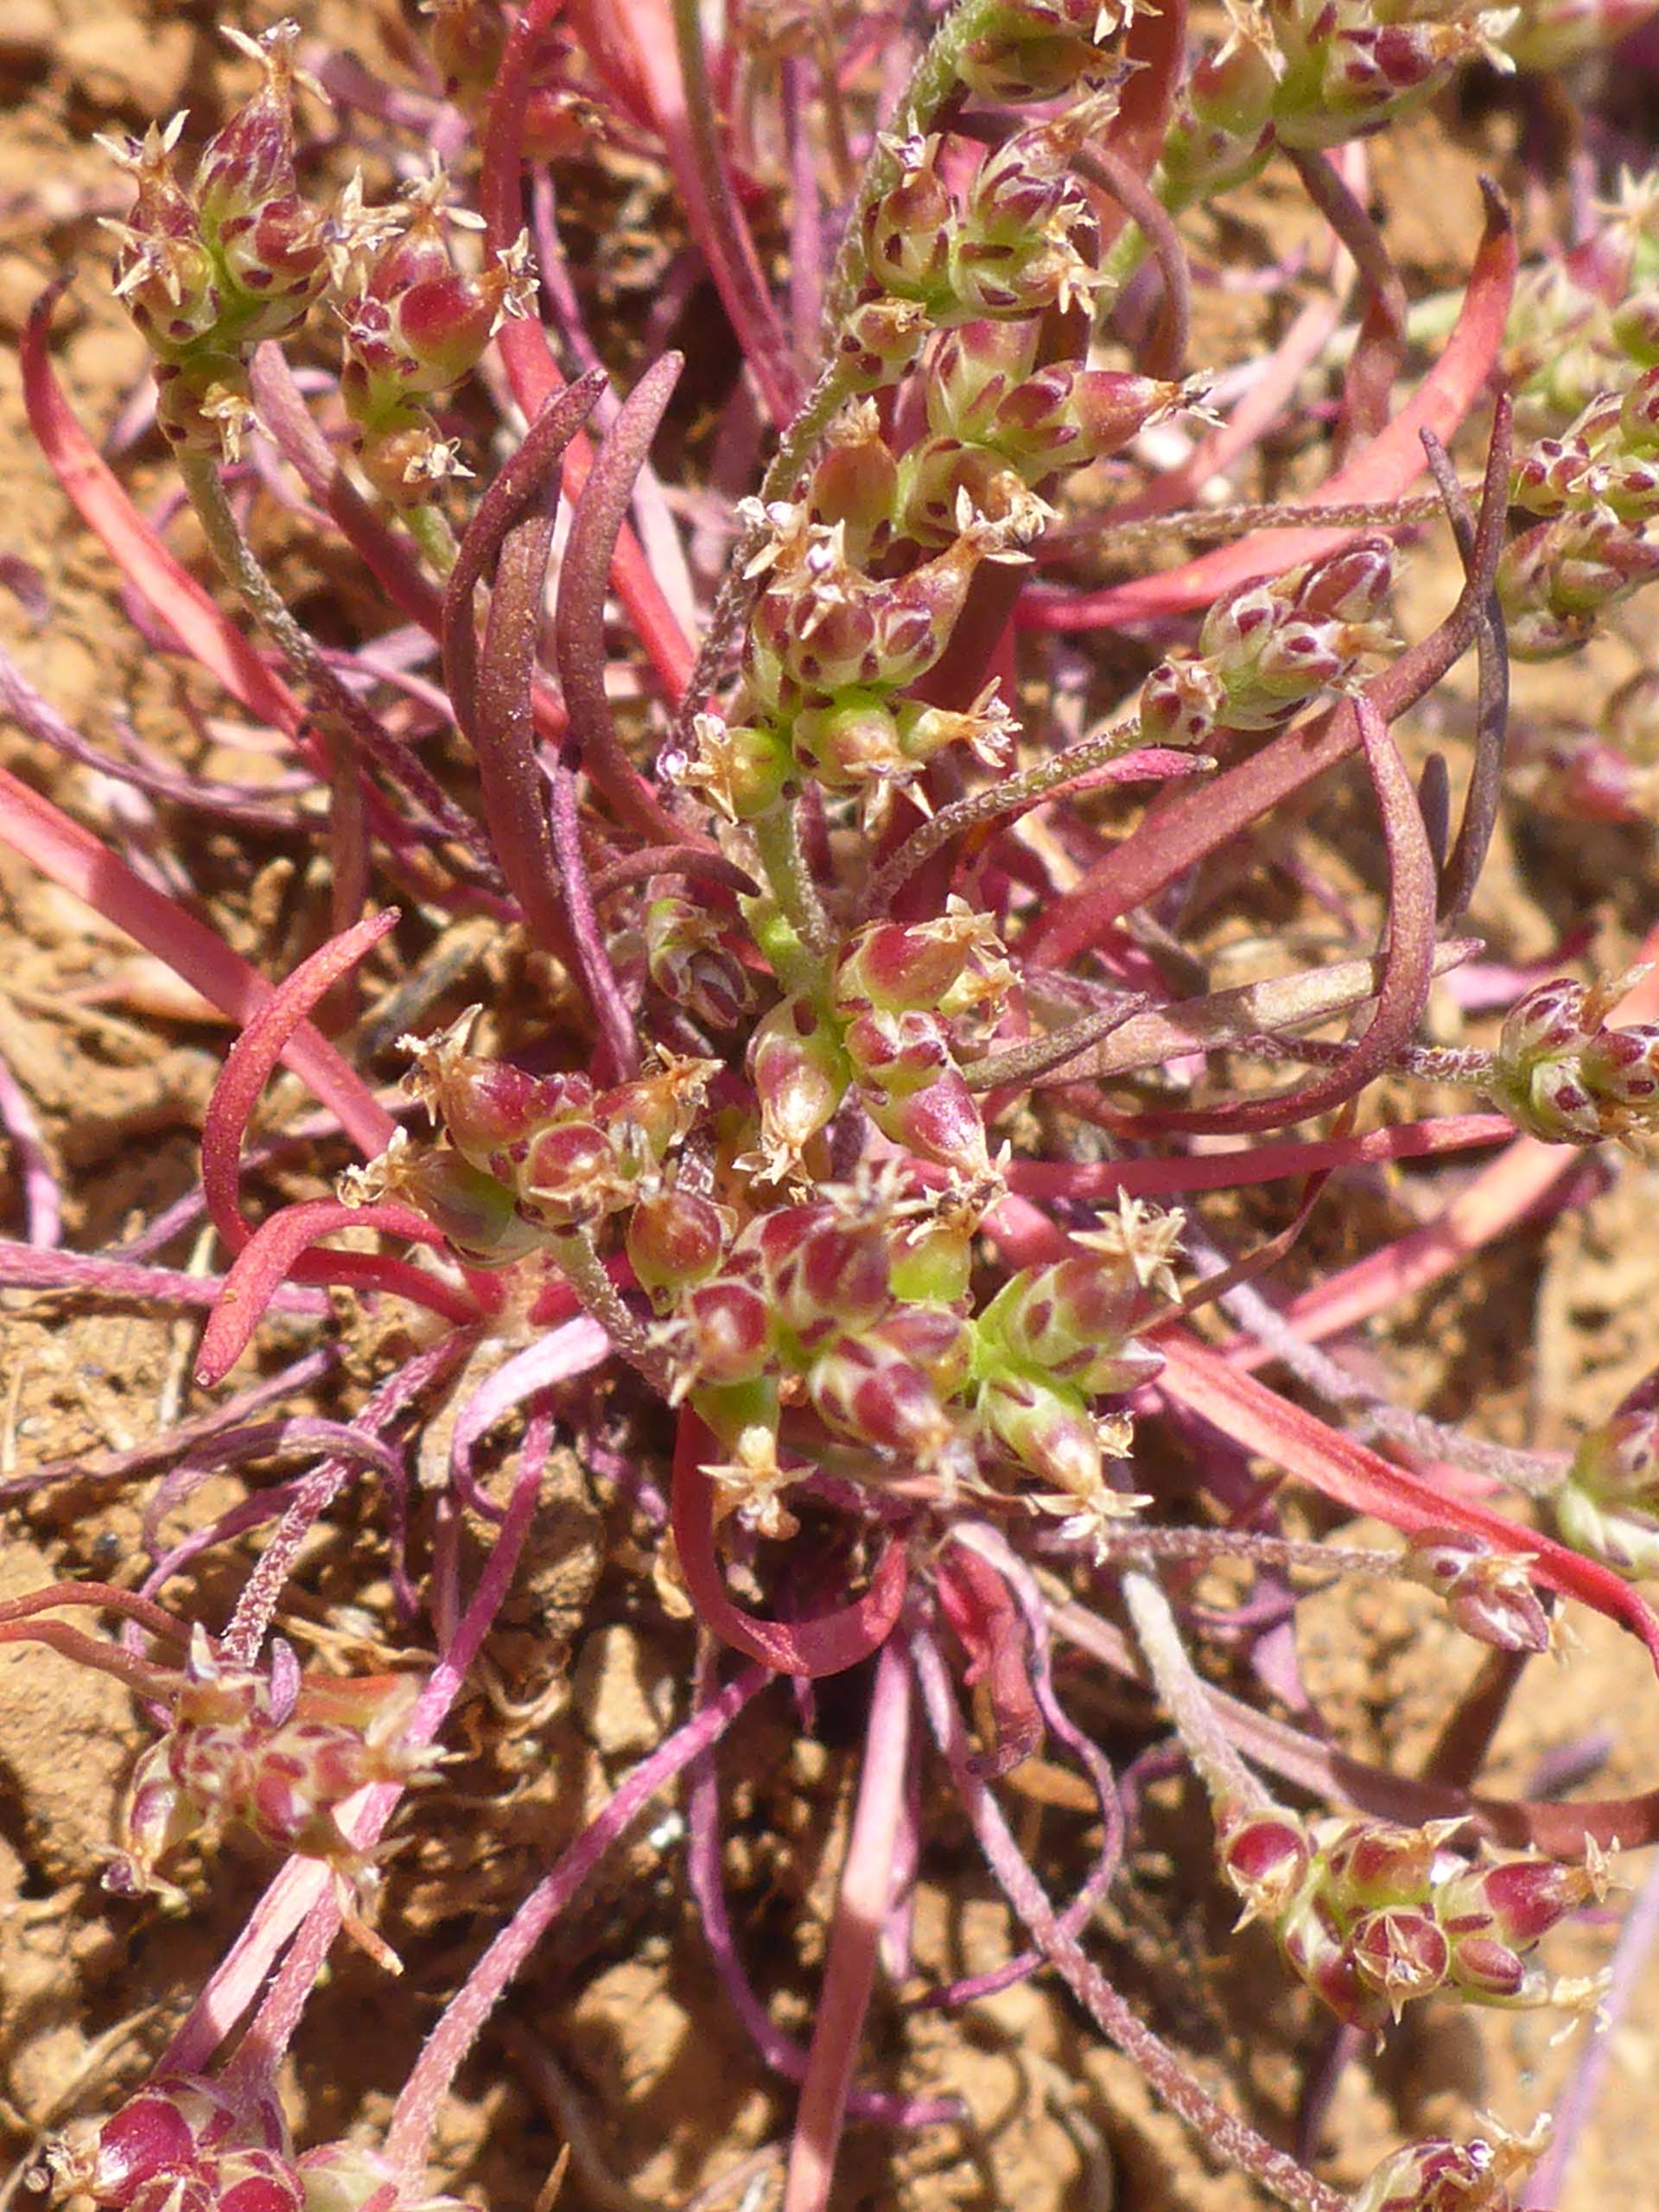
(74, 858)
(133, 545)
(249, 1064)
(276, 1253)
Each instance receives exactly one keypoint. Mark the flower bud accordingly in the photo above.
(1267, 1857)
(675, 1237)
(1439, 2176)
(913, 1091)
(867, 1391)
(1182, 703)
(1076, 1320)
(721, 1333)
(800, 1076)
(907, 230)
(1489, 1594)
(971, 369)
(1563, 1076)
(878, 342)
(855, 483)
(1518, 1900)
(945, 967)
(740, 768)
(695, 962)
(823, 1270)
(1399, 1953)
(1046, 1428)
(1553, 579)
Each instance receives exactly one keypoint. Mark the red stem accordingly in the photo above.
(861, 1908)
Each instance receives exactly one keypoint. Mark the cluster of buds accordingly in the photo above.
(238, 256)
(279, 1752)
(412, 324)
(852, 1303)
(181, 2144)
(1001, 426)
(1033, 49)
(904, 1001)
(1350, 65)
(1222, 129)
(857, 1306)
(1372, 1916)
(1562, 1075)
(1438, 2175)
(1021, 239)
(528, 1158)
(1595, 486)
(1056, 1339)
(1312, 73)
(209, 270)
(1489, 1594)
(1608, 1507)
(1267, 649)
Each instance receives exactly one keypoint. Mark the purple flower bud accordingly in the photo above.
(867, 1391)
(723, 1331)
(907, 230)
(823, 1270)
(1399, 1953)
(800, 1075)
(1516, 1900)
(878, 342)
(1181, 703)
(694, 961)
(675, 1237)
(1267, 1857)
(856, 484)
(1439, 2176)
(1368, 1864)
(1489, 1594)
(971, 370)
(1561, 1075)
(1046, 1429)
(942, 967)
(1485, 1968)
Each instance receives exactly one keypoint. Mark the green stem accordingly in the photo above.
(996, 800)
(428, 526)
(783, 860)
(576, 1257)
(1186, 1699)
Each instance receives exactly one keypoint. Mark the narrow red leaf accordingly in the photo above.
(60, 848)
(276, 1253)
(249, 1064)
